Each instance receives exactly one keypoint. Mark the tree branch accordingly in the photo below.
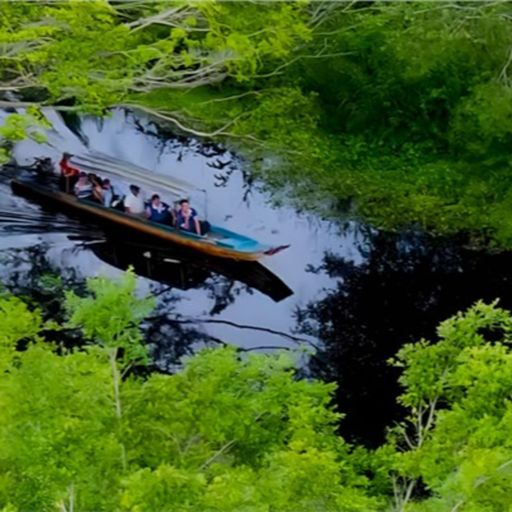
(179, 124)
(227, 446)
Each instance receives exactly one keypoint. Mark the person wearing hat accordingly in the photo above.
(134, 203)
(68, 173)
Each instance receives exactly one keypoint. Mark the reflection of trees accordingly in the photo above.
(168, 336)
(216, 155)
(223, 292)
(29, 273)
(402, 291)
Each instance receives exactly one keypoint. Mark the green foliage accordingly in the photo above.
(111, 315)
(228, 432)
(94, 53)
(396, 112)
(18, 323)
(482, 126)
(232, 431)
(458, 391)
(17, 127)
(56, 430)
(242, 434)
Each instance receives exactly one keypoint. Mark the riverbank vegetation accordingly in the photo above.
(89, 429)
(396, 112)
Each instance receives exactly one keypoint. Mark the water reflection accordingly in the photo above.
(406, 286)
(176, 267)
(359, 293)
(36, 273)
(32, 273)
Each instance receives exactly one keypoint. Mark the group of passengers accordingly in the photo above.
(92, 187)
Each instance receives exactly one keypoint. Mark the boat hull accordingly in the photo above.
(99, 213)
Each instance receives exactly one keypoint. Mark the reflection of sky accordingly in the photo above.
(309, 237)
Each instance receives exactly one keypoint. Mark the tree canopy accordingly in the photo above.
(83, 429)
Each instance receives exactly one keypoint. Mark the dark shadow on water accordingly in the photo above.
(33, 277)
(30, 274)
(400, 294)
(182, 268)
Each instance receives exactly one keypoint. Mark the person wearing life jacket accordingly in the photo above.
(158, 211)
(68, 173)
(186, 218)
(97, 187)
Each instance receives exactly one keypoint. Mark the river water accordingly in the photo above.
(353, 293)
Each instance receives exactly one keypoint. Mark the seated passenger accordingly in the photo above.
(69, 174)
(83, 187)
(107, 192)
(157, 211)
(97, 189)
(133, 202)
(186, 218)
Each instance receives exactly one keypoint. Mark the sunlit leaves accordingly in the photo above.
(112, 314)
(459, 393)
(18, 323)
(229, 432)
(233, 432)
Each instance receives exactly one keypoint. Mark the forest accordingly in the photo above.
(398, 114)
(89, 428)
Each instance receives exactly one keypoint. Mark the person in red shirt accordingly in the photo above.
(68, 172)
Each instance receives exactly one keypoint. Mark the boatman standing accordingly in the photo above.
(68, 173)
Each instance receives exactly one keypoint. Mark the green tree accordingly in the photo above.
(457, 437)
(228, 432)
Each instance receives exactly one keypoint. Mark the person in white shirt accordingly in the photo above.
(133, 202)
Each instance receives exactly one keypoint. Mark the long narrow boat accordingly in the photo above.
(218, 242)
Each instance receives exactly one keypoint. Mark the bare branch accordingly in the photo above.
(296, 339)
(181, 126)
(319, 55)
(503, 76)
(229, 98)
(171, 18)
(227, 446)
(482, 481)
(324, 9)
(156, 18)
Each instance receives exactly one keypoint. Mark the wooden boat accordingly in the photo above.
(218, 242)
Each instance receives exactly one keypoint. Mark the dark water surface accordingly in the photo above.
(356, 294)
